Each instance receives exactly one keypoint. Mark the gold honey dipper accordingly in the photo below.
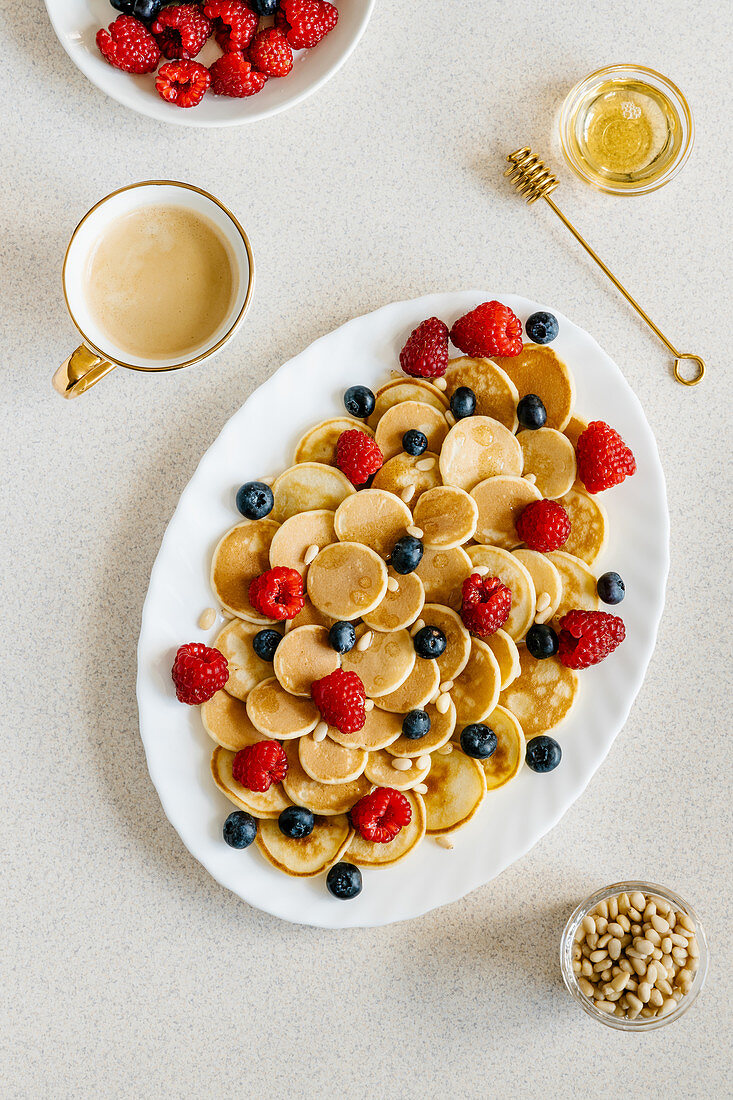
(533, 180)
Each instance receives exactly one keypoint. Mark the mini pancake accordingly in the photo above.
(309, 486)
(401, 471)
(515, 576)
(304, 655)
(373, 517)
(579, 586)
(319, 444)
(537, 369)
(226, 722)
(439, 734)
(240, 556)
(496, 394)
(442, 573)
(309, 616)
(366, 853)
(545, 578)
(385, 665)
(300, 532)
(346, 580)
(447, 516)
(327, 762)
(454, 658)
(500, 501)
(326, 799)
(507, 656)
(416, 691)
(574, 429)
(267, 804)
(549, 455)
(542, 695)
(507, 758)
(310, 855)
(475, 691)
(400, 608)
(398, 390)
(456, 788)
(588, 525)
(410, 414)
(246, 669)
(379, 771)
(476, 448)
(275, 712)
(380, 729)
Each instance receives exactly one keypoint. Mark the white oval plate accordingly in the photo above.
(76, 23)
(258, 441)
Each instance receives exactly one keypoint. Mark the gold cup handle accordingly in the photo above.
(80, 372)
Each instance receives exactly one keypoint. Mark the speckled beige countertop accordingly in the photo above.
(126, 970)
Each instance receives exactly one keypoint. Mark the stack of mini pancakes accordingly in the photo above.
(464, 494)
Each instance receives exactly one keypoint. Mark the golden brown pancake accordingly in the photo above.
(447, 517)
(537, 369)
(476, 448)
(496, 394)
(346, 580)
(542, 695)
(309, 855)
(242, 554)
(318, 444)
(308, 486)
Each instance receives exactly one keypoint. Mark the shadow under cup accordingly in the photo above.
(99, 355)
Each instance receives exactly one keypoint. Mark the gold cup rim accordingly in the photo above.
(645, 70)
(237, 320)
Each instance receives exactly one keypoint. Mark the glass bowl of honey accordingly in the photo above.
(626, 129)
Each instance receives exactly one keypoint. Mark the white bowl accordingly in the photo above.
(258, 441)
(76, 23)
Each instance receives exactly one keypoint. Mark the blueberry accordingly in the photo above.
(263, 7)
(359, 401)
(296, 822)
(265, 642)
(407, 554)
(531, 413)
(463, 402)
(255, 500)
(342, 637)
(415, 724)
(344, 881)
(541, 641)
(543, 754)
(240, 829)
(414, 442)
(542, 328)
(611, 588)
(429, 643)
(478, 741)
(141, 9)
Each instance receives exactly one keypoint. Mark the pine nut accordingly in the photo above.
(643, 946)
(661, 971)
(401, 764)
(635, 929)
(645, 991)
(408, 493)
(365, 641)
(653, 937)
(444, 842)
(626, 965)
(685, 976)
(596, 956)
(656, 953)
(679, 955)
(417, 625)
(445, 750)
(369, 705)
(634, 955)
(660, 925)
(423, 761)
(624, 921)
(648, 1013)
(667, 962)
(481, 570)
(425, 464)
(678, 941)
(666, 945)
(603, 909)
(623, 903)
(650, 909)
(651, 973)
(531, 478)
(638, 900)
(393, 585)
(692, 948)
(600, 966)
(656, 998)
(606, 975)
(639, 966)
(633, 914)
(616, 929)
(592, 939)
(207, 618)
(601, 925)
(586, 987)
(620, 981)
(422, 788)
(543, 601)
(311, 554)
(447, 686)
(614, 948)
(664, 986)
(611, 994)
(669, 1005)
(686, 922)
(450, 419)
(605, 1006)
(319, 733)
(586, 969)
(613, 908)
(633, 1012)
(442, 703)
(416, 532)
(663, 907)
(605, 939)
(440, 383)
(634, 1001)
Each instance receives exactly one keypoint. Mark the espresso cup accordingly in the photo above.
(100, 352)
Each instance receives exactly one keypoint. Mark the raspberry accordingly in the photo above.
(604, 460)
(586, 637)
(234, 25)
(358, 456)
(259, 766)
(340, 698)
(270, 53)
(544, 525)
(379, 816)
(425, 355)
(310, 21)
(485, 605)
(181, 31)
(233, 76)
(182, 82)
(277, 593)
(198, 673)
(489, 329)
(129, 45)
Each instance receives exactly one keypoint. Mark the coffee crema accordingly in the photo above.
(159, 282)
